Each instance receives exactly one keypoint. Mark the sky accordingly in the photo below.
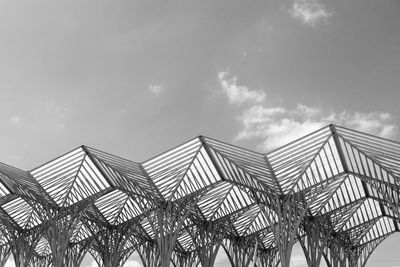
(135, 78)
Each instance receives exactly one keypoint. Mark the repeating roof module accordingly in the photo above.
(205, 187)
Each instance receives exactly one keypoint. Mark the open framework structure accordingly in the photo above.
(335, 191)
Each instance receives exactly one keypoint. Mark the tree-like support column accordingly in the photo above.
(110, 242)
(339, 252)
(23, 244)
(75, 253)
(185, 259)
(317, 231)
(240, 251)
(166, 222)
(61, 223)
(267, 258)
(284, 215)
(41, 261)
(5, 252)
(149, 254)
(207, 238)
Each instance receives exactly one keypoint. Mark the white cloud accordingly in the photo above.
(309, 11)
(272, 127)
(238, 94)
(155, 88)
(373, 122)
(15, 120)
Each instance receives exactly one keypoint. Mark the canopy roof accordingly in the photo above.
(350, 177)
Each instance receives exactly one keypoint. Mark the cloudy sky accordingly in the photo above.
(136, 77)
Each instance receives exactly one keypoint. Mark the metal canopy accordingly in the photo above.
(346, 180)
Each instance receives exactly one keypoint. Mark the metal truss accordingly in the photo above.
(335, 191)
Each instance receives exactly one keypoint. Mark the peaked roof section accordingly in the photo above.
(241, 166)
(251, 221)
(223, 200)
(385, 153)
(183, 170)
(366, 165)
(373, 159)
(118, 207)
(306, 161)
(121, 173)
(71, 178)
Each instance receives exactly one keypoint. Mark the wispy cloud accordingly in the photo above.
(310, 12)
(272, 127)
(277, 126)
(155, 88)
(238, 94)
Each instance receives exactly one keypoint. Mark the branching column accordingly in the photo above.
(241, 252)
(207, 238)
(5, 252)
(23, 246)
(166, 222)
(317, 231)
(340, 253)
(42, 261)
(75, 253)
(109, 241)
(285, 222)
(149, 254)
(185, 259)
(267, 258)
(60, 226)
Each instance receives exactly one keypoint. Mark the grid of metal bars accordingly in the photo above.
(348, 178)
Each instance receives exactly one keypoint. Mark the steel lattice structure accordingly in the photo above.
(335, 191)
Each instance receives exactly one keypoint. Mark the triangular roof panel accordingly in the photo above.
(70, 178)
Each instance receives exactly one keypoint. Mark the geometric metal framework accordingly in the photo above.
(335, 191)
